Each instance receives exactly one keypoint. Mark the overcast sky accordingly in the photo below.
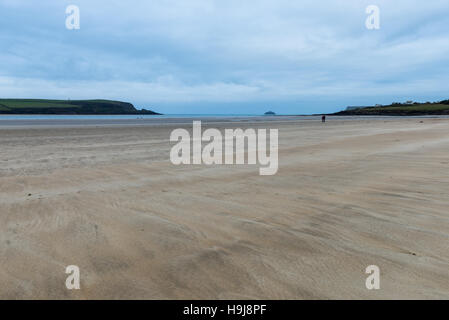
(226, 56)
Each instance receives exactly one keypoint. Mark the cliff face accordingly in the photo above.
(87, 107)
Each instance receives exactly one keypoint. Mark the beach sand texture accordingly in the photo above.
(348, 194)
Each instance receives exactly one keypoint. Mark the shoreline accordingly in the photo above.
(158, 121)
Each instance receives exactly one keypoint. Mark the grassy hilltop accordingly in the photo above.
(89, 107)
(401, 109)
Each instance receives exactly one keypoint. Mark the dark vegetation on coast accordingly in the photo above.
(68, 107)
(400, 109)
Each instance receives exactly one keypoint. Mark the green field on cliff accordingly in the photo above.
(45, 106)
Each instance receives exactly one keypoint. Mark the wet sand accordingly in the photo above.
(348, 194)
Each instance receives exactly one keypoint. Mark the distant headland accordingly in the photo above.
(408, 108)
(70, 107)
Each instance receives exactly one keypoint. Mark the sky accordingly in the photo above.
(226, 56)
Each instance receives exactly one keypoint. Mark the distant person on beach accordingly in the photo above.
(323, 118)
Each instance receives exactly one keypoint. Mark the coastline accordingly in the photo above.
(102, 120)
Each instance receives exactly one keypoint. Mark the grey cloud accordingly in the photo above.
(306, 55)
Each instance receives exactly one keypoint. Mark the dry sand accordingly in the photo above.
(348, 194)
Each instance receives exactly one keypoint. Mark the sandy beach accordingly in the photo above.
(348, 194)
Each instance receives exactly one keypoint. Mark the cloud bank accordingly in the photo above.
(210, 56)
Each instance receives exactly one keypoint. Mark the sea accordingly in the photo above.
(98, 120)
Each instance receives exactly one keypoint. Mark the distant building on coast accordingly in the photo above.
(353, 108)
